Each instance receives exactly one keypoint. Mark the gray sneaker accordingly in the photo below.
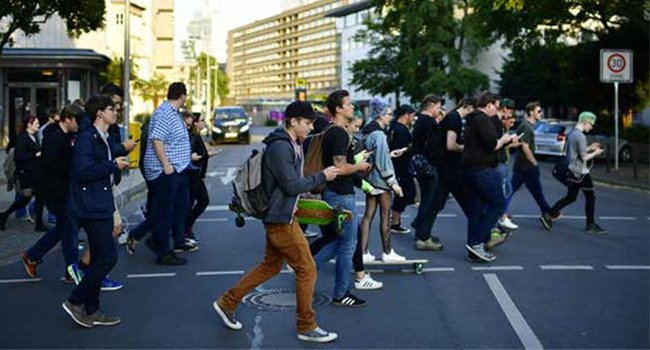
(547, 221)
(227, 317)
(78, 314)
(478, 252)
(99, 319)
(429, 244)
(318, 335)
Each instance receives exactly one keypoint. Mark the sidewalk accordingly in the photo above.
(20, 234)
(624, 176)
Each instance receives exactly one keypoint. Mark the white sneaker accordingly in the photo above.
(368, 257)
(392, 257)
(507, 224)
(367, 283)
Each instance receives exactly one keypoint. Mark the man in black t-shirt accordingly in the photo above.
(452, 127)
(401, 140)
(337, 151)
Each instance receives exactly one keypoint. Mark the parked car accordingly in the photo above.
(551, 136)
(231, 124)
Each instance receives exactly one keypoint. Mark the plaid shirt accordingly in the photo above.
(167, 126)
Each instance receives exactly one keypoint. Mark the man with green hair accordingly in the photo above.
(578, 155)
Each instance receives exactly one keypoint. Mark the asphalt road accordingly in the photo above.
(559, 289)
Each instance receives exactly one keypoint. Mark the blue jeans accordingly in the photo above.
(486, 203)
(104, 257)
(529, 177)
(506, 184)
(423, 222)
(343, 246)
(65, 231)
(171, 201)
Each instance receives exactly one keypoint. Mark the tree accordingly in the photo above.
(115, 71)
(26, 15)
(219, 85)
(153, 89)
(420, 47)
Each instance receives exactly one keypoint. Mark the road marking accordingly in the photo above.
(516, 319)
(219, 273)
(151, 275)
(21, 280)
(212, 220)
(438, 269)
(286, 271)
(617, 218)
(217, 208)
(528, 216)
(565, 267)
(627, 267)
(497, 268)
(230, 176)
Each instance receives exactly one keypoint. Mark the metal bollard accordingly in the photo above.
(608, 160)
(635, 161)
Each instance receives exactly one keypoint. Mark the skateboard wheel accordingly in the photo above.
(240, 222)
(418, 268)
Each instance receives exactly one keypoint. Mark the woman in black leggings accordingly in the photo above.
(27, 157)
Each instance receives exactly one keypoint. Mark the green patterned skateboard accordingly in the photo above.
(318, 212)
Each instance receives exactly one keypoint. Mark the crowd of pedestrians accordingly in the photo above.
(465, 152)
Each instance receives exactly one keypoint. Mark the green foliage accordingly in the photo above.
(271, 122)
(114, 72)
(420, 47)
(218, 86)
(142, 117)
(153, 90)
(26, 15)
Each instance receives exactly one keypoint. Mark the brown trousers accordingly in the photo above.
(284, 242)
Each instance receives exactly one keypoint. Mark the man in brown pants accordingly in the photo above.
(285, 241)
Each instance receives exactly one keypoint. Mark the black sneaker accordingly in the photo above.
(349, 300)
(186, 248)
(171, 259)
(151, 244)
(593, 228)
(547, 221)
(99, 319)
(78, 314)
(399, 229)
(130, 245)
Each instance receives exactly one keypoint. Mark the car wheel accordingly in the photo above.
(625, 155)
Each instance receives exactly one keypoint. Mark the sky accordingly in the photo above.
(233, 13)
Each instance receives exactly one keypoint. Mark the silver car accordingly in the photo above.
(551, 135)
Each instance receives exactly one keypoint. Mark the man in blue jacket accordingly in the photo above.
(91, 201)
(285, 241)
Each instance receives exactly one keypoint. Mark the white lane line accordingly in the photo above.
(286, 271)
(516, 319)
(220, 273)
(217, 208)
(212, 220)
(151, 275)
(21, 280)
(438, 269)
(627, 267)
(528, 216)
(617, 218)
(566, 267)
(497, 268)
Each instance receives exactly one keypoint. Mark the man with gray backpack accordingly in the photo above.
(282, 183)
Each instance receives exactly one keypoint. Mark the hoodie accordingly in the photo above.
(282, 176)
(481, 137)
(382, 175)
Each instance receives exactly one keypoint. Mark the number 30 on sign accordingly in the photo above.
(616, 66)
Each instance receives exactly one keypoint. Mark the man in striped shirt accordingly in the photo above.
(166, 159)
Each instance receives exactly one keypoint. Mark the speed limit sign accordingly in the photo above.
(616, 66)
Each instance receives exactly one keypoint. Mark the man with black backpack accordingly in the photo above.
(282, 182)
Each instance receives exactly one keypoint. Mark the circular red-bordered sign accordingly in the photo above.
(616, 63)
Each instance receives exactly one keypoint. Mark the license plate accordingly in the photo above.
(231, 135)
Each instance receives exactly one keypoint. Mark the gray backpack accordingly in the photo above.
(249, 197)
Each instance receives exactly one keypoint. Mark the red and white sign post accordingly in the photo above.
(616, 67)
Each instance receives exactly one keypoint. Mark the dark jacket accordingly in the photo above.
(90, 185)
(57, 160)
(28, 165)
(282, 177)
(198, 146)
(481, 137)
(427, 139)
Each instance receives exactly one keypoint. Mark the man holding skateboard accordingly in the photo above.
(285, 241)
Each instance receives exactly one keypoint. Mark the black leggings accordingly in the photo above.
(199, 200)
(383, 201)
(574, 187)
(328, 235)
(23, 201)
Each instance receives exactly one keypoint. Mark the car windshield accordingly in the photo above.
(549, 128)
(229, 113)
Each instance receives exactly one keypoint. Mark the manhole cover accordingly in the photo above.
(280, 300)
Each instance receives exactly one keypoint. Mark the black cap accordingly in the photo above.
(404, 109)
(300, 109)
